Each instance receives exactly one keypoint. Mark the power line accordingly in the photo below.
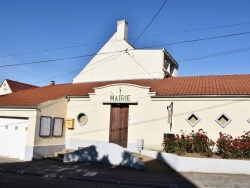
(58, 59)
(233, 50)
(56, 76)
(118, 54)
(180, 42)
(150, 22)
(138, 63)
(215, 54)
(196, 40)
(181, 60)
(53, 49)
(82, 68)
(195, 30)
(147, 36)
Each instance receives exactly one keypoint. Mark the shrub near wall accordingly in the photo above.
(229, 147)
(198, 142)
(194, 142)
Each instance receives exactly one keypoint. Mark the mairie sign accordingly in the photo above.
(119, 98)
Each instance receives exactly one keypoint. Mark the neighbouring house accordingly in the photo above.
(10, 86)
(125, 96)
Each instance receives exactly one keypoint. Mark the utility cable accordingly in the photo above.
(56, 76)
(195, 30)
(139, 64)
(52, 49)
(116, 55)
(196, 40)
(147, 36)
(214, 55)
(182, 59)
(58, 59)
(108, 59)
(149, 22)
(174, 43)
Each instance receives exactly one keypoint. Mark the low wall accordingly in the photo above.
(203, 165)
(42, 151)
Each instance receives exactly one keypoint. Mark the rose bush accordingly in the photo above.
(229, 147)
(194, 142)
(198, 142)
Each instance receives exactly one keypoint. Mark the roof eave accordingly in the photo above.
(174, 61)
(80, 96)
(201, 96)
(19, 107)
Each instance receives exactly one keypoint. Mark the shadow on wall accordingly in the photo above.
(105, 153)
(41, 151)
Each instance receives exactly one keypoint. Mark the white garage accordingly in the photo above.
(13, 136)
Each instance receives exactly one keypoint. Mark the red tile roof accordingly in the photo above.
(18, 86)
(173, 86)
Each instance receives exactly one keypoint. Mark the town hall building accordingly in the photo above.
(125, 96)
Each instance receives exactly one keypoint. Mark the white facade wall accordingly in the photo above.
(30, 114)
(34, 145)
(120, 65)
(13, 136)
(149, 118)
(209, 109)
(118, 60)
(97, 127)
(4, 88)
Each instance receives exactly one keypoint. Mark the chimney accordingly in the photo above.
(122, 30)
(52, 83)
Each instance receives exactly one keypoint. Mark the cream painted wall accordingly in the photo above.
(134, 64)
(97, 127)
(118, 60)
(209, 109)
(150, 123)
(56, 108)
(4, 88)
(149, 119)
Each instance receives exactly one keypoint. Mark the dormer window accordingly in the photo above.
(166, 65)
(168, 68)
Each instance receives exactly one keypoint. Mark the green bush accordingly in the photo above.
(198, 142)
(230, 148)
(194, 142)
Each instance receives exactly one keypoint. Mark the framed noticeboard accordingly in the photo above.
(57, 126)
(45, 126)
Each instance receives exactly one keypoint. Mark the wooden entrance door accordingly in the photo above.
(118, 133)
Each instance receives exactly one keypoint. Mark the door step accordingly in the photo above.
(58, 155)
(54, 158)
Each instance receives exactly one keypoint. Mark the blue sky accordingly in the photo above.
(34, 28)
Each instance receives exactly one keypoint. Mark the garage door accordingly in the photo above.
(13, 136)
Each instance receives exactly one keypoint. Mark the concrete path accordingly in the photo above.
(8, 160)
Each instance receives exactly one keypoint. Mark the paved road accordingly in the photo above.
(57, 174)
(10, 180)
(204, 180)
